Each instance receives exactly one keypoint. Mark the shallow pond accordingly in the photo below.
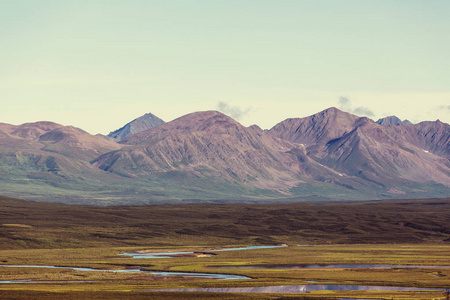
(298, 289)
(14, 281)
(135, 270)
(319, 266)
(137, 255)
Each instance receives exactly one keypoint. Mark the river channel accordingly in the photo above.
(137, 269)
(267, 289)
(133, 270)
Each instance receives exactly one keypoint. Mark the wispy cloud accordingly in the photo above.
(235, 112)
(363, 111)
(345, 104)
(444, 107)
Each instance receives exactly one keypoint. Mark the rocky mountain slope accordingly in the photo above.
(316, 129)
(206, 144)
(387, 156)
(140, 124)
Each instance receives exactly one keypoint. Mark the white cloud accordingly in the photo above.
(235, 112)
(345, 104)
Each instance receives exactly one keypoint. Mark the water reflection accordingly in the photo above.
(320, 266)
(298, 289)
(139, 255)
(15, 281)
(136, 270)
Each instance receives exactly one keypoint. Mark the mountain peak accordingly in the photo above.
(140, 124)
(204, 121)
(393, 120)
(331, 110)
(322, 127)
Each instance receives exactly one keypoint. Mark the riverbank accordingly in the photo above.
(430, 276)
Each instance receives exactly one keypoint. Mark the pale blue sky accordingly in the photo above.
(98, 64)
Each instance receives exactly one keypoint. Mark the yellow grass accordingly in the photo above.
(17, 225)
(107, 258)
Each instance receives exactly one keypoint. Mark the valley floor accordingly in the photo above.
(400, 233)
(47, 283)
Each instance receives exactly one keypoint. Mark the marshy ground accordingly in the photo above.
(412, 232)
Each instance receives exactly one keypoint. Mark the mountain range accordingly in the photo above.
(208, 156)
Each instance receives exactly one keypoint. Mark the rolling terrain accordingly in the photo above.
(38, 225)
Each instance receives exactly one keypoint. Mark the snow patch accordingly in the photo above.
(395, 191)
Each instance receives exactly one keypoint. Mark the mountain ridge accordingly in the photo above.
(204, 144)
(378, 153)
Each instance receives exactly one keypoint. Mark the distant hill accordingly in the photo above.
(51, 138)
(208, 156)
(140, 124)
(393, 120)
(51, 162)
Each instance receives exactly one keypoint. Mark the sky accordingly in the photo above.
(98, 64)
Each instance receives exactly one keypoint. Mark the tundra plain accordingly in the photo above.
(400, 232)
